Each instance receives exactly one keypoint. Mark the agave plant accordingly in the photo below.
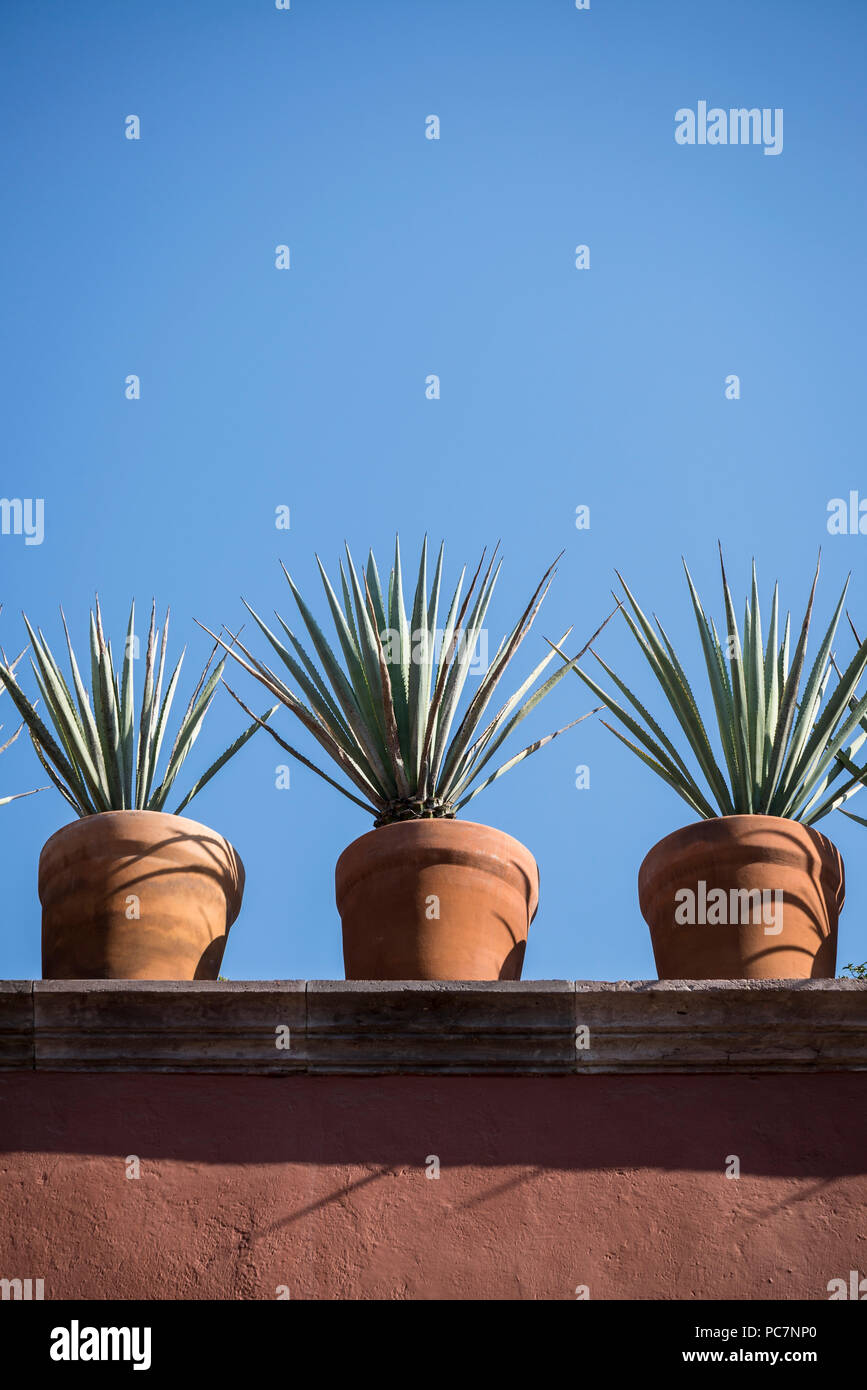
(784, 748)
(104, 757)
(389, 716)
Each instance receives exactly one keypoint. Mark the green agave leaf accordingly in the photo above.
(320, 732)
(418, 697)
(757, 692)
(369, 642)
(311, 685)
(373, 809)
(740, 704)
(389, 716)
(788, 702)
(108, 717)
(505, 721)
(817, 808)
(831, 751)
(784, 653)
(160, 729)
(94, 757)
(672, 778)
(39, 733)
(475, 750)
(723, 698)
(674, 775)
(439, 722)
(398, 704)
(225, 756)
(527, 707)
(679, 765)
(374, 589)
(400, 623)
(808, 743)
(443, 660)
(156, 716)
(331, 712)
(519, 757)
(88, 722)
(463, 647)
(143, 753)
(86, 783)
(65, 736)
(359, 719)
(783, 755)
(392, 621)
(81, 808)
(10, 741)
(347, 603)
(348, 646)
(772, 684)
(672, 678)
(807, 734)
(188, 731)
(428, 678)
(490, 680)
(127, 712)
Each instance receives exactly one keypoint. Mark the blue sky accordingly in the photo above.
(409, 256)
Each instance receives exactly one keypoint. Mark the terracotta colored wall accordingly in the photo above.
(318, 1183)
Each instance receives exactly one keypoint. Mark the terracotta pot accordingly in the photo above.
(137, 895)
(436, 900)
(693, 888)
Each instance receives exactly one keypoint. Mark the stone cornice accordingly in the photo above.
(526, 1028)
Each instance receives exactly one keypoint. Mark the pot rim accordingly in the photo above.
(454, 823)
(233, 875)
(354, 864)
(715, 823)
(71, 826)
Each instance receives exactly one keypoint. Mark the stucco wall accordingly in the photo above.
(317, 1182)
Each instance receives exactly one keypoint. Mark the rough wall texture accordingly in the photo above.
(318, 1183)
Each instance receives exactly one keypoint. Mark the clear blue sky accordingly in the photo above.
(409, 257)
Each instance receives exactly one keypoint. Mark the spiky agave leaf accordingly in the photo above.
(98, 754)
(783, 745)
(386, 714)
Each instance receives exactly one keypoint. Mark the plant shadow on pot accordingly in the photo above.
(137, 895)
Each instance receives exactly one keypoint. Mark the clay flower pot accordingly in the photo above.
(436, 900)
(743, 898)
(137, 895)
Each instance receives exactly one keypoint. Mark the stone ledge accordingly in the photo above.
(463, 1028)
